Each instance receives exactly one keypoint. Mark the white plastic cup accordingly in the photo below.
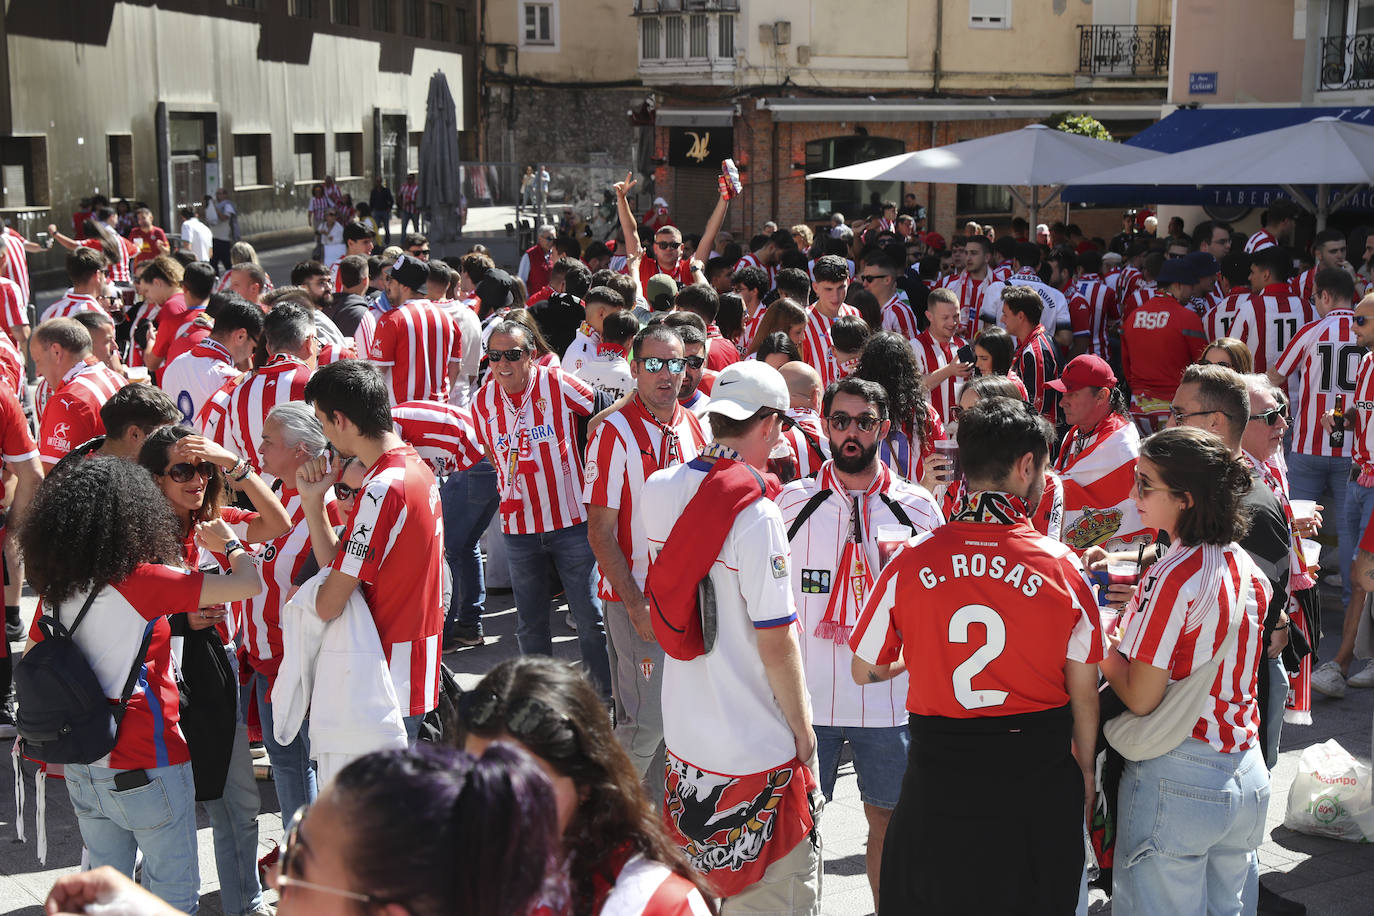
(1311, 553)
(1303, 508)
(948, 450)
(890, 538)
(137, 373)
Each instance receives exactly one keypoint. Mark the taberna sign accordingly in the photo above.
(704, 147)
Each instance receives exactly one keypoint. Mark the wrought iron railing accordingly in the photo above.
(1347, 62)
(1123, 50)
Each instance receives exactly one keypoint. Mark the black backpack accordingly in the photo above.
(64, 716)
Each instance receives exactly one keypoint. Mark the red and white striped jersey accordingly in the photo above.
(1266, 321)
(1127, 279)
(119, 267)
(418, 341)
(1092, 306)
(625, 449)
(751, 260)
(898, 317)
(817, 348)
(395, 549)
(751, 324)
(16, 443)
(1217, 323)
(71, 415)
(194, 376)
(1362, 408)
(441, 434)
(532, 443)
(281, 562)
(1204, 303)
(831, 579)
(281, 381)
(970, 292)
(1037, 365)
(948, 598)
(1321, 362)
(1141, 293)
(16, 262)
(210, 419)
(12, 366)
(1259, 241)
(1304, 285)
(931, 356)
(1001, 273)
(409, 192)
(14, 308)
(1179, 618)
(645, 887)
(804, 454)
(71, 303)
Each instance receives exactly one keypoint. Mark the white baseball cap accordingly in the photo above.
(745, 387)
(660, 202)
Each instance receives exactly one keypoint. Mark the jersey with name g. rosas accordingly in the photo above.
(986, 616)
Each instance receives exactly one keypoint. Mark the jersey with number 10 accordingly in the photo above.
(1321, 362)
(986, 616)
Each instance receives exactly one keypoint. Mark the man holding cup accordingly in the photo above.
(844, 524)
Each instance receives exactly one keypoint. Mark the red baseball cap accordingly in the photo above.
(1086, 371)
(935, 241)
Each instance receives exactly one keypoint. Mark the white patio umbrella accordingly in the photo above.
(1324, 152)
(1035, 155)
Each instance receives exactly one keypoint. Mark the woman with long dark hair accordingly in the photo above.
(887, 359)
(191, 472)
(1191, 818)
(993, 351)
(612, 836)
(104, 537)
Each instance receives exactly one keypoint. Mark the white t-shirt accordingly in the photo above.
(719, 712)
(470, 331)
(195, 375)
(198, 238)
(1054, 316)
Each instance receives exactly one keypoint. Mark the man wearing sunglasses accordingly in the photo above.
(650, 432)
(665, 255)
(526, 419)
(833, 519)
(879, 277)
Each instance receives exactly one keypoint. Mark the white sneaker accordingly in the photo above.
(1328, 681)
(1363, 678)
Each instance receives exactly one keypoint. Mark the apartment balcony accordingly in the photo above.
(687, 41)
(1112, 52)
(1347, 63)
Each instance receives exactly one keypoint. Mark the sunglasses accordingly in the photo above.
(510, 356)
(1143, 486)
(1361, 319)
(872, 278)
(288, 858)
(1271, 416)
(421, 251)
(656, 363)
(866, 422)
(694, 362)
(668, 246)
(344, 491)
(183, 471)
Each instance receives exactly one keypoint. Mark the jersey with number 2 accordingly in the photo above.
(986, 616)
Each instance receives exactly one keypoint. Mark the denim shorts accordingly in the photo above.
(879, 760)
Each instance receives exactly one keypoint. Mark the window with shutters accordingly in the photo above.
(650, 31)
(537, 23)
(989, 14)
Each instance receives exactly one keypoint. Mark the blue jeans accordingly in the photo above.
(469, 499)
(159, 818)
(1309, 477)
(292, 772)
(408, 217)
(1273, 709)
(1190, 822)
(1359, 506)
(412, 724)
(528, 556)
(879, 760)
(234, 826)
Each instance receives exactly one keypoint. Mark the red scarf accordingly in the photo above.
(854, 576)
(693, 545)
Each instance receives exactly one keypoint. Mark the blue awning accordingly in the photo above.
(1189, 128)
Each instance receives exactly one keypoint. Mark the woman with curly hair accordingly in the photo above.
(614, 845)
(191, 472)
(106, 539)
(888, 359)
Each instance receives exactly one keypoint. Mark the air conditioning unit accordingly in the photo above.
(782, 30)
(766, 36)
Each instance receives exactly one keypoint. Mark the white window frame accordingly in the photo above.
(553, 42)
(989, 14)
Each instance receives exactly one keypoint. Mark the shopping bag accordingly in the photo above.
(1331, 795)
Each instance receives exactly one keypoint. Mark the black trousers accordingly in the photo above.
(990, 818)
